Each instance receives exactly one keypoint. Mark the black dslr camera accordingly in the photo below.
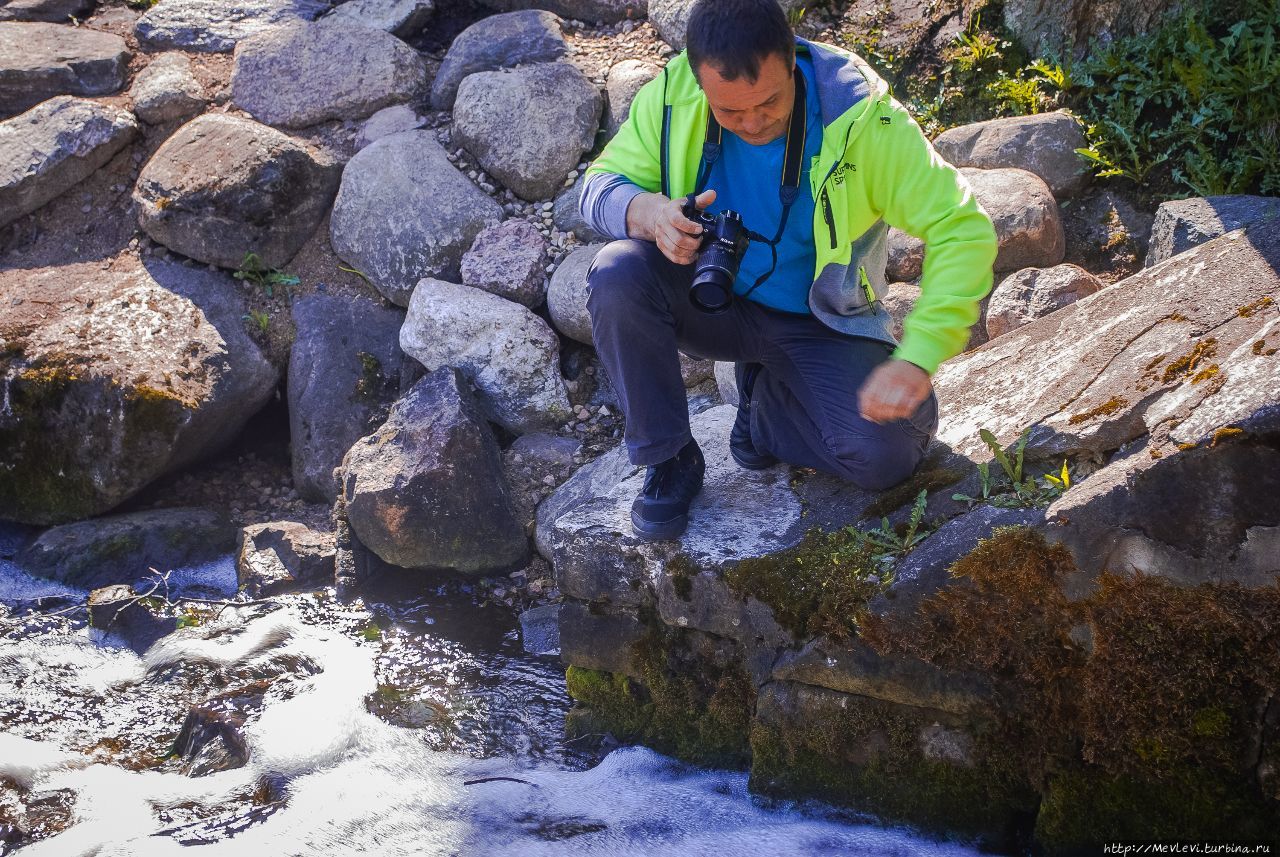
(724, 241)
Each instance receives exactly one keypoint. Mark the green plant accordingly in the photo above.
(259, 317)
(795, 16)
(1012, 490)
(252, 270)
(886, 545)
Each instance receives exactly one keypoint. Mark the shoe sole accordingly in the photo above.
(659, 530)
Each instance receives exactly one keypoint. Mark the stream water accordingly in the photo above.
(400, 724)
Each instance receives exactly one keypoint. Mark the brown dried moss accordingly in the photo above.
(1186, 364)
(1107, 408)
(1249, 309)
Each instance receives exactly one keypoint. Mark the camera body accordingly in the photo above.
(724, 241)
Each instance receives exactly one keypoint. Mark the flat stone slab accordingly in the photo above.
(54, 146)
(39, 61)
(215, 26)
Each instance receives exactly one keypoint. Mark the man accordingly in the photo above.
(819, 160)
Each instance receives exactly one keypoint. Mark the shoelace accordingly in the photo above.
(658, 480)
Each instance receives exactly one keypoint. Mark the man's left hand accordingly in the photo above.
(893, 390)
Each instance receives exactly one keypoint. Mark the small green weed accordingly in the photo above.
(260, 318)
(1008, 489)
(252, 270)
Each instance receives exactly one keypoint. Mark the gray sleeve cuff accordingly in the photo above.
(604, 201)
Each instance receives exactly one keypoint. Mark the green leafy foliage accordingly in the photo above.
(254, 271)
(1008, 489)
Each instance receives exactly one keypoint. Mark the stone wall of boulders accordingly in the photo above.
(450, 405)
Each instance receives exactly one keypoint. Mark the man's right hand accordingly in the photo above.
(653, 217)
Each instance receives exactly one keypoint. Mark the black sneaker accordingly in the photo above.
(661, 511)
(740, 445)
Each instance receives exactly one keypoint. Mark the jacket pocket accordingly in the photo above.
(829, 217)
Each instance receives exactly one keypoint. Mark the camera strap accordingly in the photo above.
(792, 166)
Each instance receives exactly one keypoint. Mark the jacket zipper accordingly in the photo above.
(828, 216)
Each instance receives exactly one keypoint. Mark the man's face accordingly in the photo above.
(757, 112)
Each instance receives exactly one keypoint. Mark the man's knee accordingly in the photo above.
(873, 463)
(618, 274)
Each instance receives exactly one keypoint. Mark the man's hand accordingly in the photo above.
(653, 217)
(893, 390)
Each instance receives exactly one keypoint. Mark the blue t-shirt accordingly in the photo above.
(747, 178)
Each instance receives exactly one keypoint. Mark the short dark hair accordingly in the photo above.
(733, 36)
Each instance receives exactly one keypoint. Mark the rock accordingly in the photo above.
(898, 299)
(694, 370)
(1062, 29)
(39, 61)
(671, 18)
(1031, 293)
(344, 372)
(507, 352)
(546, 450)
(598, 640)
(287, 77)
(53, 147)
(215, 26)
(1044, 144)
(585, 527)
(566, 217)
(1153, 355)
(403, 494)
(388, 121)
(283, 556)
(398, 17)
(555, 108)
(726, 382)
(540, 630)
(906, 256)
(593, 11)
(1104, 230)
(166, 90)
(567, 294)
(221, 187)
(925, 570)
(508, 260)
(50, 11)
(625, 80)
(210, 740)
(403, 212)
(498, 41)
(125, 377)
(116, 610)
(1025, 215)
(119, 549)
(1181, 224)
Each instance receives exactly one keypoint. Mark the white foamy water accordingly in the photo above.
(355, 784)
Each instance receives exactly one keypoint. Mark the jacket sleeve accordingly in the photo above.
(634, 150)
(604, 201)
(921, 194)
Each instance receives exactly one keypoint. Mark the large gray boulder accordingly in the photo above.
(624, 81)
(113, 379)
(567, 294)
(1155, 355)
(1181, 224)
(1049, 27)
(426, 491)
(498, 41)
(283, 556)
(1031, 293)
(507, 352)
(398, 17)
(222, 186)
(121, 548)
(215, 26)
(167, 90)
(287, 77)
(1044, 144)
(404, 212)
(39, 61)
(344, 373)
(50, 11)
(509, 260)
(567, 218)
(1025, 214)
(528, 126)
(593, 11)
(55, 146)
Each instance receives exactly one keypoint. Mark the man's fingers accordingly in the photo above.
(704, 199)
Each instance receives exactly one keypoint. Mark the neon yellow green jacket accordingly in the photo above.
(875, 169)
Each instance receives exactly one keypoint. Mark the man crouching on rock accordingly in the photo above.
(805, 144)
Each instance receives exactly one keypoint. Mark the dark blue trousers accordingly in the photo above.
(804, 407)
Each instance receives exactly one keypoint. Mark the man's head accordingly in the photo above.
(742, 52)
